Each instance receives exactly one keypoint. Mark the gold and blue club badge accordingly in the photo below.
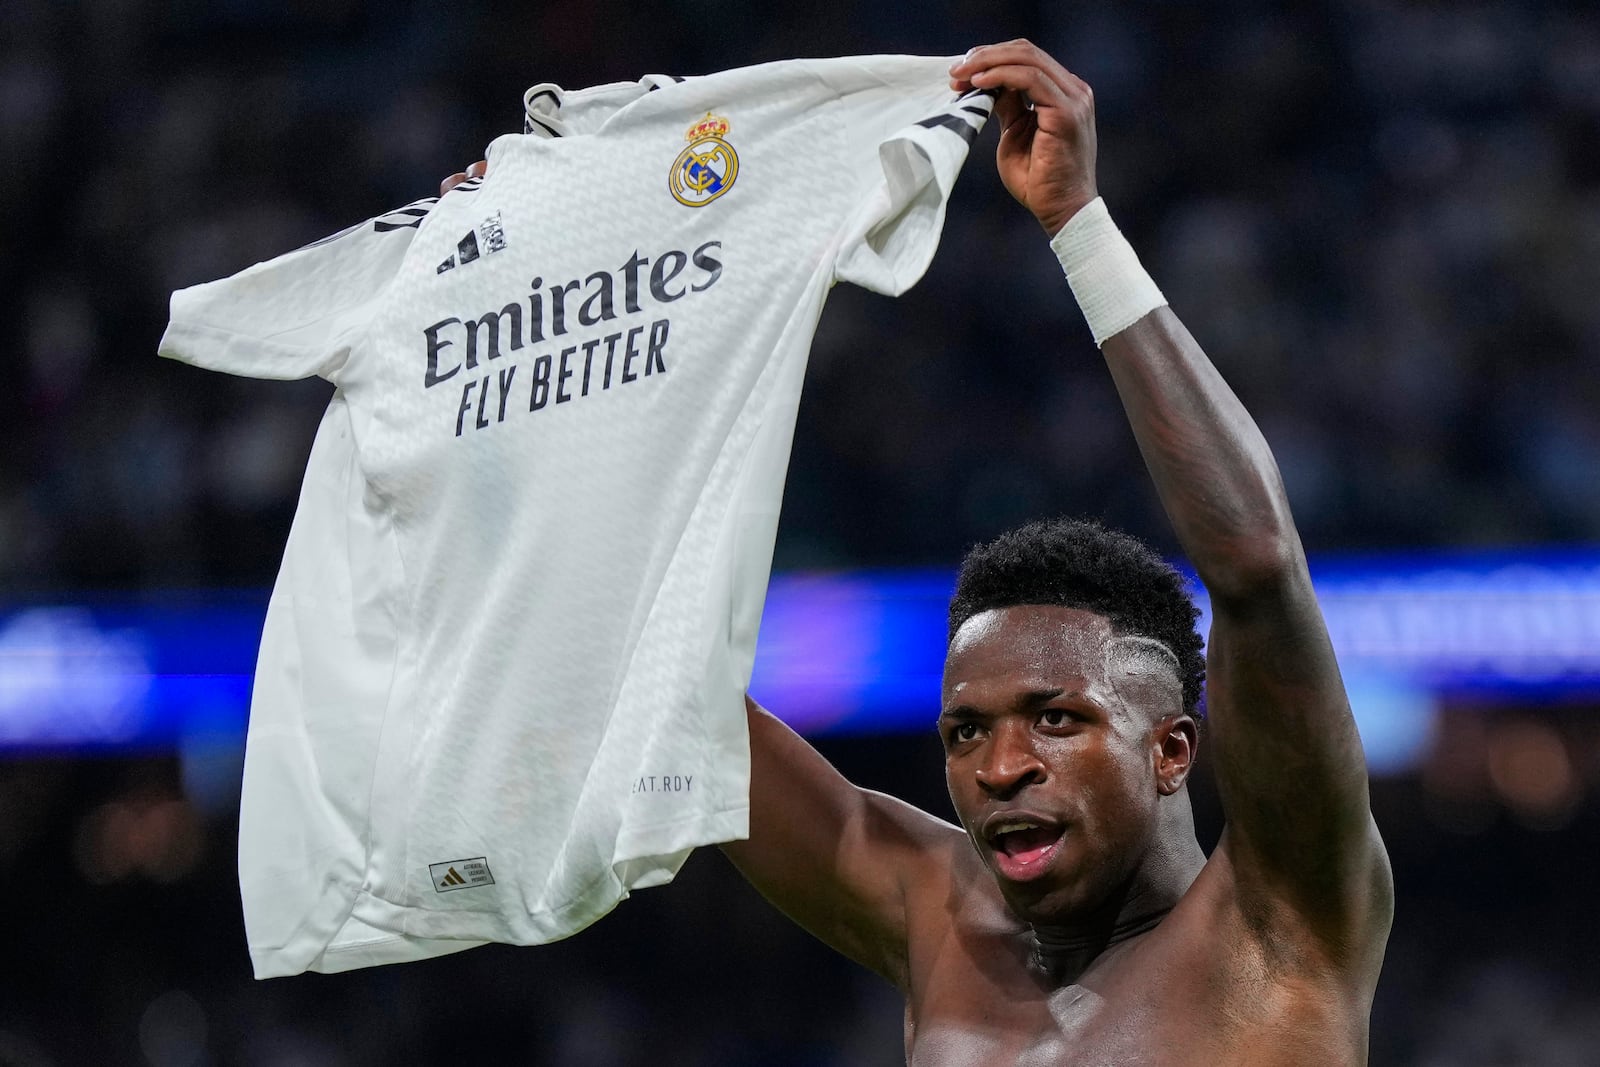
(707, 167)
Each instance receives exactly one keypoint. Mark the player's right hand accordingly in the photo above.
(474, 171)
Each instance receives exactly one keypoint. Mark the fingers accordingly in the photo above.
(1053, 108)
(1046, 154)
(984, 67)
(1039, 87)
(1024, 76)
(477, 170)
(1009, 108)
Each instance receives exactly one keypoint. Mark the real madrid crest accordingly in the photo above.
(706, 169)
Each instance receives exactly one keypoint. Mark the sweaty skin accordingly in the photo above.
(1096, 932)
(1103, 936)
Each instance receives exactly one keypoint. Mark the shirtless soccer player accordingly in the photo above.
(1073, 918)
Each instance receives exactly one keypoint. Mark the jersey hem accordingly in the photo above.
(378, 931)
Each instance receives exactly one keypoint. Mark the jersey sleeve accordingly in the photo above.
(294, 316)
(890, 238)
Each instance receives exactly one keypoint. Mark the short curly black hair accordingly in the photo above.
(1080, 564)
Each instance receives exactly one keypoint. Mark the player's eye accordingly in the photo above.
(1054, 717)
(964, 731)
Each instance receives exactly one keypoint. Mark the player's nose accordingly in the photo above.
(1011, 761)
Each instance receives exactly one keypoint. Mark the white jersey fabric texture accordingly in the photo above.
(501, 676)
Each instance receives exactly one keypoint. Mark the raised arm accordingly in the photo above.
(1288, 760)
(837, 859)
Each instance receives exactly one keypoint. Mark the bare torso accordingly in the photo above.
(1197, 986)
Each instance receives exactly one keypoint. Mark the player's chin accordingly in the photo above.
(1043, 901)
(1051, 882)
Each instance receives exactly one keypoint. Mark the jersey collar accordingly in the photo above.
(551, 111)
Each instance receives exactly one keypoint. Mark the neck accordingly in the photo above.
(1063, 949)
(1064, 953)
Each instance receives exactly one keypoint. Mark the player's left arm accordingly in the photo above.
(1288, 759)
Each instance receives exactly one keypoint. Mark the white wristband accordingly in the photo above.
(1112, 288)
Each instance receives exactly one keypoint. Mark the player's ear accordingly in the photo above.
(1176, 739)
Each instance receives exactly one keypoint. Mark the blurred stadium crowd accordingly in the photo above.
(1382, 219)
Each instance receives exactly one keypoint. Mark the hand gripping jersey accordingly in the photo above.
(500, 680)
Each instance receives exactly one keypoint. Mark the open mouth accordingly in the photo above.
(1023, 848)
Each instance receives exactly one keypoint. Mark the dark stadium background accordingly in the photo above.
(1381, 217)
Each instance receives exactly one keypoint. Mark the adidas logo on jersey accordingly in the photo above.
(460, 874)
(489, 237)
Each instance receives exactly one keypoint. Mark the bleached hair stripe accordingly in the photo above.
(1138, 643)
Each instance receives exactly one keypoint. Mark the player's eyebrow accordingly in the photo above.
(1023, 701)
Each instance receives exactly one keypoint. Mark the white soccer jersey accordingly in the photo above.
(500, 682)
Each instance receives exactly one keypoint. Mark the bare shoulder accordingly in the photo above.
(949, 897)
(958, 923)
(846, 863)
(934, 855)
(1275, 941)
